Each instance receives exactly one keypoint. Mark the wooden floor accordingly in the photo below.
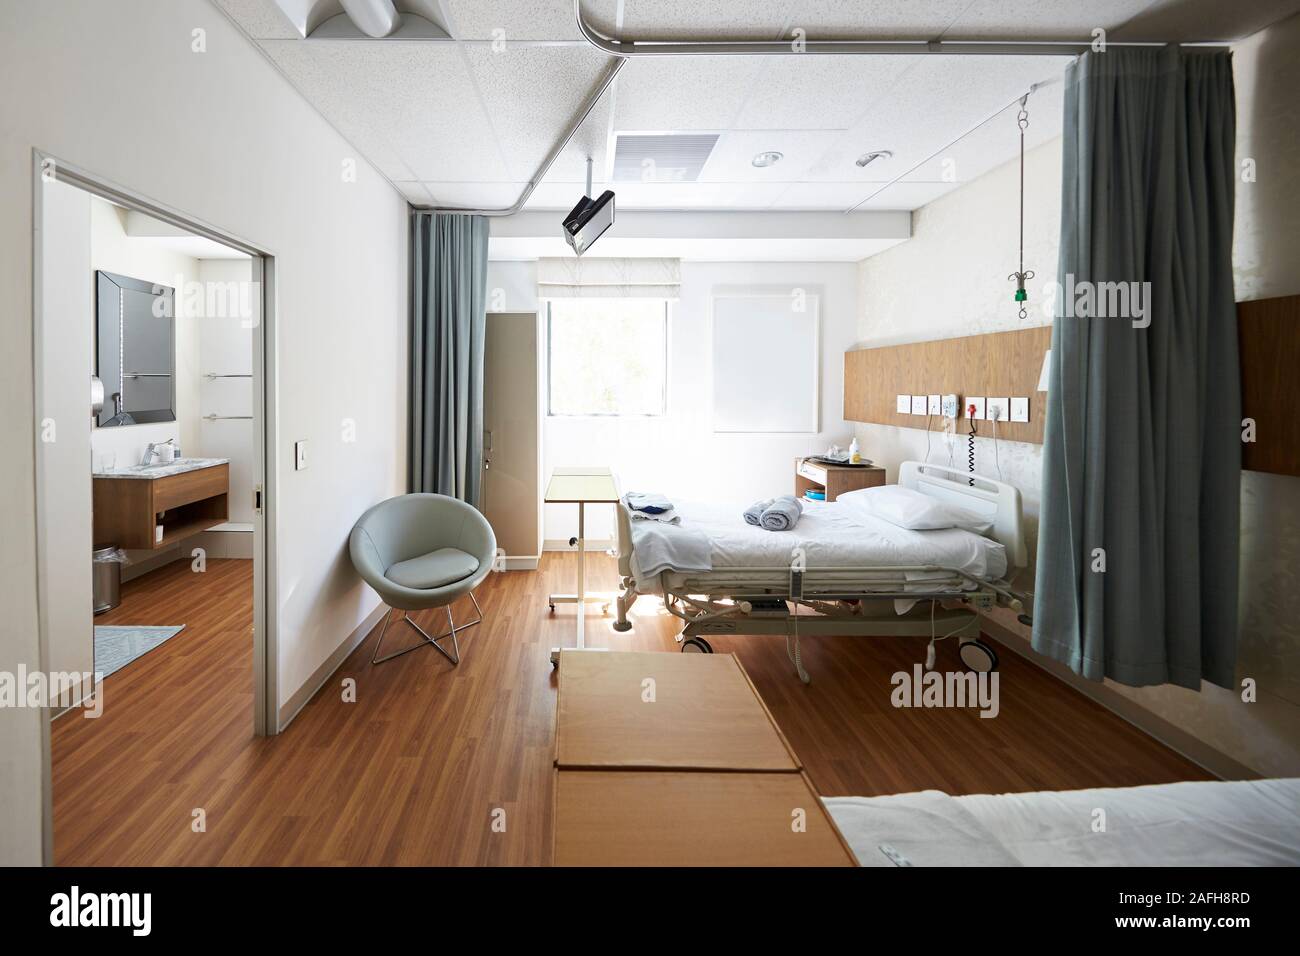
(413, 771)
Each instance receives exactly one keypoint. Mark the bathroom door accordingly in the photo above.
(512, 426)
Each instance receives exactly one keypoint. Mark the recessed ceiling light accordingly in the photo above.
(868, 158)
(768, 158)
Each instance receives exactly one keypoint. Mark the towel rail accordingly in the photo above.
(214, 417)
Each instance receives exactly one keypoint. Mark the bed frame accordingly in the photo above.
(843, 600)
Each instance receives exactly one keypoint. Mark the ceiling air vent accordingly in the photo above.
(661, 157)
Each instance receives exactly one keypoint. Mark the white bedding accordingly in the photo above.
(831, 536)
(1239, 823)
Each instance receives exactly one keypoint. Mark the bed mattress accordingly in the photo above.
(1239, 823)
(831, 535)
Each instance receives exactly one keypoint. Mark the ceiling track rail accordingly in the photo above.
(806, 45)
(623, 50)
(594, 97)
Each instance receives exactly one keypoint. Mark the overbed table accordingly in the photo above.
(581, 486)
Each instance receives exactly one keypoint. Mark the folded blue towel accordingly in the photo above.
(754, 512)
(782, 514)
(651, 504)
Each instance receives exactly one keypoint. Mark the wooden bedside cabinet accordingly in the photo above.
(835, 480)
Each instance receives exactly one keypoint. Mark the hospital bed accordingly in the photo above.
(1200, 823)
(838, 572)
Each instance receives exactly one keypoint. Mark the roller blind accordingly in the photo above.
(609, 278)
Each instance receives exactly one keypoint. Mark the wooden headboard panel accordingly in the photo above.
(996, 365)
(1268, 332)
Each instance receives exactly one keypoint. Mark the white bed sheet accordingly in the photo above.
(1239, 823)
(832, 536)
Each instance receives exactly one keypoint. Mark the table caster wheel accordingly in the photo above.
(978, 657)
(697, 644)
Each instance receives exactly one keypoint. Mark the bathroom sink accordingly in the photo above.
(177, 466)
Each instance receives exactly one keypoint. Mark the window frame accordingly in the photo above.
(606, 416)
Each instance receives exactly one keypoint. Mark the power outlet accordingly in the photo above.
(998, 409)
(903, 405)
(948, 406)
(1020, 409)
(973, 407)
(918, 405)
(934, 405)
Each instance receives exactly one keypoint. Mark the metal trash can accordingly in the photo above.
(106, 574)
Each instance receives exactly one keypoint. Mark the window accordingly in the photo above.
(607, 356)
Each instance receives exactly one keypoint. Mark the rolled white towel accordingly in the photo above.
(782, 514)
(754, 513)
(663, 517)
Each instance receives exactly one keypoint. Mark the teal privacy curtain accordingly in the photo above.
(448, 320)
(1138, 539)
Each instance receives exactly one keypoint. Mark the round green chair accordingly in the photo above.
(423, 551)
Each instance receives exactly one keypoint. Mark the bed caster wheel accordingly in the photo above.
(698, 644)
(978, 657)
(622, 626)
(552, 608)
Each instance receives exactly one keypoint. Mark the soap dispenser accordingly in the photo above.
(855, 455)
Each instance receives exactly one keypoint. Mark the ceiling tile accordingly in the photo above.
(554, 194)
(562, 196)
(1191, 20)
(943, 98)
(900, 196)
(996, 142)
(519, 19)
(819, 92)
(732, 157)
(471, 195)
(879, 19)
(691, 19)
(1041, 19)
(260, 19)
(531, 95)
(683, 93)
(415, 97)
(415, 193)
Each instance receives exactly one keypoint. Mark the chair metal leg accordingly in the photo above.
(453, 630)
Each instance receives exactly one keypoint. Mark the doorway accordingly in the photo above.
(153, 372)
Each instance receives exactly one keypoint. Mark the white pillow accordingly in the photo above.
(912, 510)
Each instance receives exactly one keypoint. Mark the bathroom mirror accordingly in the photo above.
(135, 350)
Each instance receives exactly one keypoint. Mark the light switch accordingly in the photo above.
(918, 405)
(934, 405)
(904, 405)
(299, 455)
(1020, 409)
(996, 409)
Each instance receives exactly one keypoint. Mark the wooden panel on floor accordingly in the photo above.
(618, 818)
(703, 714)
(417, 768)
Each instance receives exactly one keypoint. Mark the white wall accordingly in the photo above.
(64, 409)
(678, 453)
(118, 89)
(950, 280)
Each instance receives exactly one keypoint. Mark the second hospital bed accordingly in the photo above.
(837, 572)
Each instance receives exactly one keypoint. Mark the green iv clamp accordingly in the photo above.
(1020, 278)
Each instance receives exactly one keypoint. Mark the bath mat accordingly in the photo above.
(117, 646)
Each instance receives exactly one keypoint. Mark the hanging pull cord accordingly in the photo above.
(1021, 277)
